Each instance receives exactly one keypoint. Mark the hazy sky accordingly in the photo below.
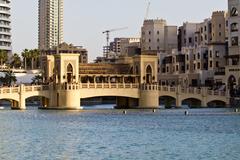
(84, 20)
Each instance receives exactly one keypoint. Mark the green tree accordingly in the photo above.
(34, 54)
(26, 56)
(15, 61)
(8, 79)
(3, 57)
(38, 79)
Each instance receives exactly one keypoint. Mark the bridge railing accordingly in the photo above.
(97, 86)
(192, 90)
(9, 90)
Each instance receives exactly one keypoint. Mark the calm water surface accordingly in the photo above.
(109, 135)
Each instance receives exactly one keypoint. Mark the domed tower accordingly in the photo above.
(5, 25)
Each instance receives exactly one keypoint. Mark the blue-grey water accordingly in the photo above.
(109, 134)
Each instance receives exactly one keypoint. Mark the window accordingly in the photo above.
(205, 28)
(210, 54)
(198, 55)
(220, 34)
(217, 54)
(234, 27)
(190, 40)
(220, 26)
(217, 64)
(158, 40)
(176, 67)
(187, 66)
(149, 32)
(194, 57)
(234, 41)
(167, 69)
(157, 32)
(234, 12)
(210, 64)
(198, 65)
(194, 66)
(187, 57)
(196, 39)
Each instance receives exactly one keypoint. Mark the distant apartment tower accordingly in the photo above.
(5, 27)
(50, 23)
(120, 46)
(156, 35)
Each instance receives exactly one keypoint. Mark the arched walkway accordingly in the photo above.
(167, 101)
(192, 102)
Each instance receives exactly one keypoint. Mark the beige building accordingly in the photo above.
(157, 36)
(232, 70)
(49, 59)
(50, 23)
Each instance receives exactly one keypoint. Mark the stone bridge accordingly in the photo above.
(68, 96)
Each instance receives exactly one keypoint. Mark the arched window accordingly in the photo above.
(234, 12)
(231, 84)
(69, 73)
(234, 27)
(149, 74)
(137, 70)
(69, 68)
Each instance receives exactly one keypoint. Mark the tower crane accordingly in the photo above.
(147, 10)
(107, 32)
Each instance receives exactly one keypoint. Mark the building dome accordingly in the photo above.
(5, 25)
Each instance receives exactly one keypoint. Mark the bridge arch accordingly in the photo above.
(37, 100)
(192, 102)
(167, 101)
(217, 103)
(13, 103)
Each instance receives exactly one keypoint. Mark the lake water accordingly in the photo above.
(109, 134)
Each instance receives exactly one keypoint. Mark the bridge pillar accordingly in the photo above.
(68, 99)
(178, 99)
(149, 96)
(204, 97)
(178, 102)
(22, 100)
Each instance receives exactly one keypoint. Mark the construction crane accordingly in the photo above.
(107, 32)
(147, 10)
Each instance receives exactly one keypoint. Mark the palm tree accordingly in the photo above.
(16, 61)
(34, 57)
(38, 79)
(26, 56)
(9, 78)
(3, 56)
